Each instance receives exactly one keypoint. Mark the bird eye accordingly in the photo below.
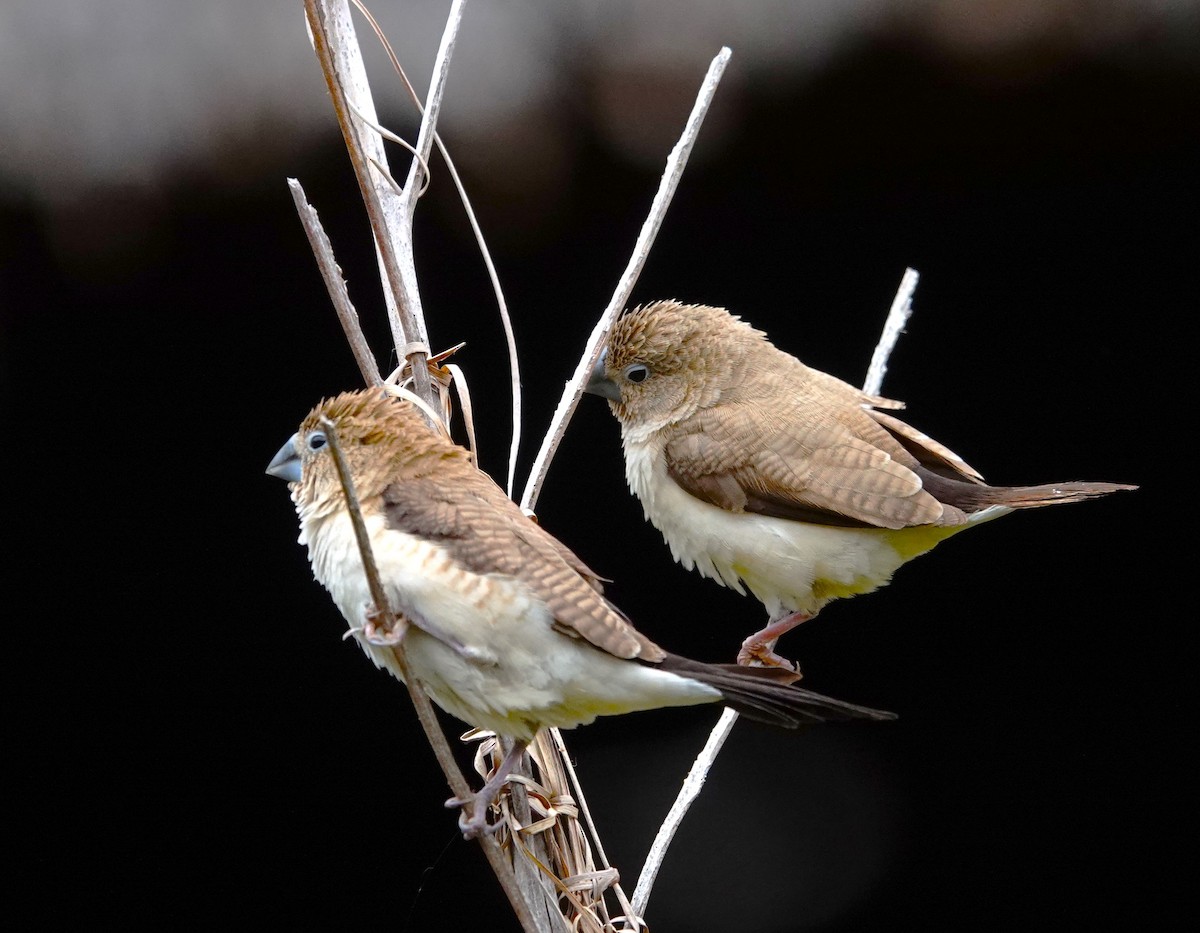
(637, 373)
(316, 440)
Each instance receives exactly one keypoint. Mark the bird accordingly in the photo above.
(765, 474)
(501, 623)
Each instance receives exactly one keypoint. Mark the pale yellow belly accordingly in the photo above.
(788, 565)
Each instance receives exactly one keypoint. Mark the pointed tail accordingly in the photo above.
(1033, 497)
(767, 694)
(974, 497)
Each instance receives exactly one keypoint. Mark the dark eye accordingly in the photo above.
(316, 440)
(637, 373)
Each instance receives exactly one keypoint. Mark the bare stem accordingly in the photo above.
(514, 368)
(897, 317)
(336, 285)
(692, 785)
(337, 50)
(676, 162)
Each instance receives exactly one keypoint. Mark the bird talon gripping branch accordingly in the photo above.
(376, 630)
(762, 654)
(476, 824)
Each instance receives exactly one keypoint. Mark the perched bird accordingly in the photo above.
(506, 628)
(763, 473)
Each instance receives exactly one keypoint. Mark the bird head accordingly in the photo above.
(666, 360)
(381, 437)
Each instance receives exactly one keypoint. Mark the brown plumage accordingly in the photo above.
(708, 406)
(507, 628)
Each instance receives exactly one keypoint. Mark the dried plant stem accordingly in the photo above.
(391, 211)
(692, 786)
(676, 163)
(334, 41)
(336, 285)
(514, 368)
(897, 316)
(433, 732)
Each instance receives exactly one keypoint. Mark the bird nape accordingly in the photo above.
(765, 474)
(505, 627)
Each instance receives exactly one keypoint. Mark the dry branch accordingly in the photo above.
(334, 40)
(676, 162)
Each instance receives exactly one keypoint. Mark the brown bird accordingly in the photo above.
(506, 628)
(763, 473)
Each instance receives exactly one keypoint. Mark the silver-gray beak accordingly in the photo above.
(286, 464)
(600, 384)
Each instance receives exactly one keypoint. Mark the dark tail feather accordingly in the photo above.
(766, 694)
(1032, 497)
(973, 497)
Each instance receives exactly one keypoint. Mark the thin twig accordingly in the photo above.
(676, 162)
(433, 732)
(692, 786)
(336, 285)
(892, 328)
(897, 317)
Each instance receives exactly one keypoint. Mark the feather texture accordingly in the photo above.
(507, 628)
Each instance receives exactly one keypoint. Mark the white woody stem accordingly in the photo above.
(892, 328)
(334, 41)
(336, 285)
(676, 162)
(391, 215)
(514, 368)
(690, 790)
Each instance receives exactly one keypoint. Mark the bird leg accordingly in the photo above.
(376, 631)
(479, 803)
(377, 634)
(760, 647)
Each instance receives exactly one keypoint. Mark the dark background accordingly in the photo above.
(191, 741)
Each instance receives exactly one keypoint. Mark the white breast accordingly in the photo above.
(488, 653)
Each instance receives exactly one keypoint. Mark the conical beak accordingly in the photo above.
(286, 464)
(600, 384)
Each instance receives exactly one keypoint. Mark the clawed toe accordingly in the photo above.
(757, 654)
(377, 634)
(476, 824)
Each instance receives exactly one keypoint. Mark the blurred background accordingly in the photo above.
(190, 742)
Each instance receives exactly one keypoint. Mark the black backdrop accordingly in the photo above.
(191, 741)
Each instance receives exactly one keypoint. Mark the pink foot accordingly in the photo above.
(759, 648)
(761, 654)
(377, 633)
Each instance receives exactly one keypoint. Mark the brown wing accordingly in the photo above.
(807, 453)
(465, 512)
(935, 456)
